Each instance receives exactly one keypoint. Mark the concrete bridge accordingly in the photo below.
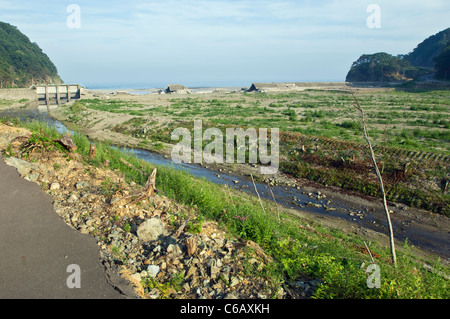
(57, 94)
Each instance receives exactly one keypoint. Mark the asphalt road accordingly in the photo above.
(41, 257)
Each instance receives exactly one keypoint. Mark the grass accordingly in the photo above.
(404, 126)
(301, 111)
(300, 248)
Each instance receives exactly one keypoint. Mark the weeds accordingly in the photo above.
(174, 284)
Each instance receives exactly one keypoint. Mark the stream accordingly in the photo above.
(418, 227)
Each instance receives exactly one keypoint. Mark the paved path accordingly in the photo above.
(37, 247)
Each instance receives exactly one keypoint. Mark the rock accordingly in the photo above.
(150, 230)
(157, 249)
(220, 242)
(72, 199)
(153, 270)
(234, 281)
(32, 177)
(154, 293)
(23, 167)
(174, 249)
(84, 229)
(232, 295)
(225, 277)
(81, 185)
(55, 186)
(192, 271)
(136, 277)
(214, 271)
(114, 200)
(3, 143)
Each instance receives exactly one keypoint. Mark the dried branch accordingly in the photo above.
(276, 204)
(260, 201)
(380, 179)
(180, 229)
(130, 165)
(148, 191)
(368, 250)
(66, 141)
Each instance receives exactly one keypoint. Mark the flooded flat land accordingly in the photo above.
(320, 137)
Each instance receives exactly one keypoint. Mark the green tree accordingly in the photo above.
(443, 64)
(425, 53)
(21, 61)
(378, 67)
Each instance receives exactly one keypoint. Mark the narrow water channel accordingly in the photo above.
(297, 199)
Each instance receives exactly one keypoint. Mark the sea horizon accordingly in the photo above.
(162, 85)
(188, 84)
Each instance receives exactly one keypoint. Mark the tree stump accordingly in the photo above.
(92, 152)
(67, 142)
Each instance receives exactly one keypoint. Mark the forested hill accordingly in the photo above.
(425, 53)
(23, 63)
(430, 56)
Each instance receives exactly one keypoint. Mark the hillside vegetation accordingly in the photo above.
(425, 53)
(22, 62)
(381, 67)
(429, 56)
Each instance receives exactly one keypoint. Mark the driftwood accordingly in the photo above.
(434, 271)
(147, 192)
(131, 165)
(258, 251)
(180, 229)
(67, 142)
(191, 245)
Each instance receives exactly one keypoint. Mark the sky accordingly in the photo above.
(145, 44)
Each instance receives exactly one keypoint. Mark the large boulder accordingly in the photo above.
(151, 229)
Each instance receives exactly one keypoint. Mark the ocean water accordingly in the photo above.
(163, 85)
